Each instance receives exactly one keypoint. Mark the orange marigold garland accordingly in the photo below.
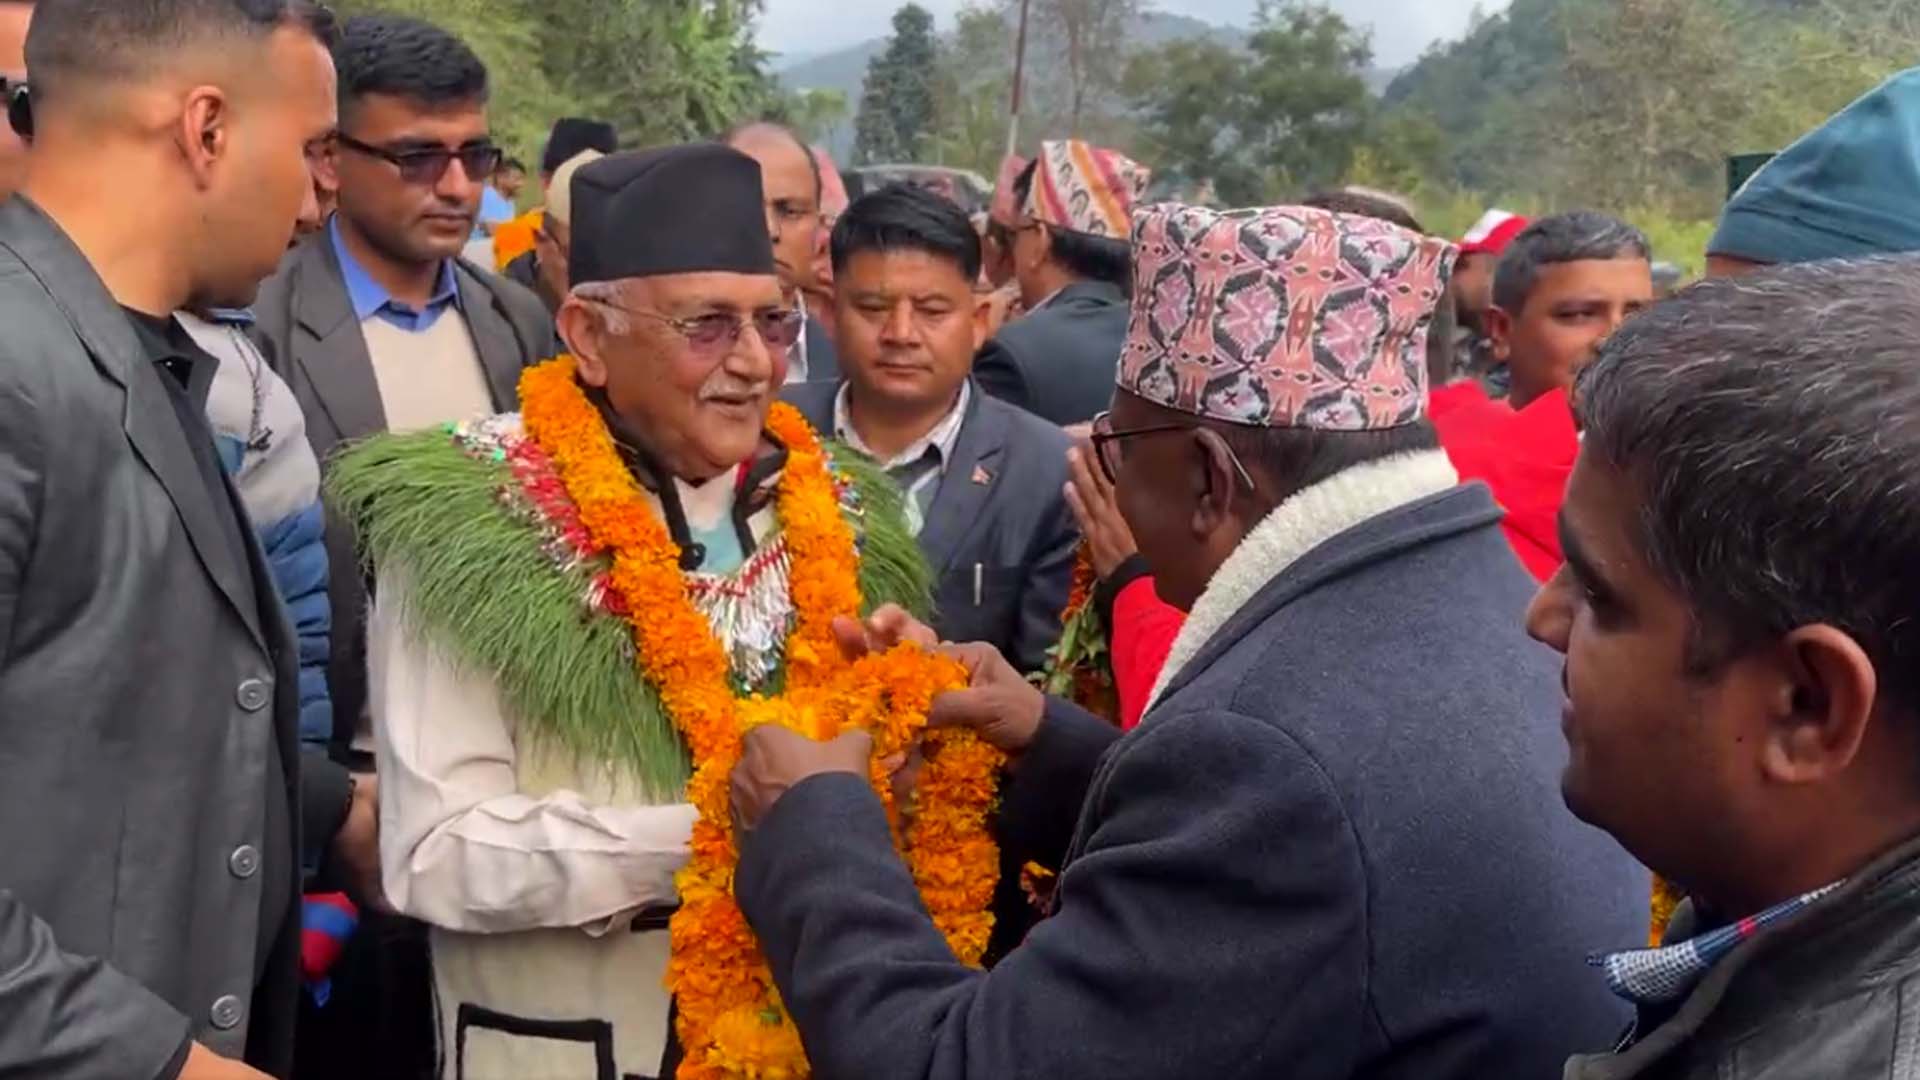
(1666, 897)
(731, 1022)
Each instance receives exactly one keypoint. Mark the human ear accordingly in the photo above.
(204, 130)
(982, 319)
(580, 331)
(1500, 332)
(1820, 706)
(1216, 481)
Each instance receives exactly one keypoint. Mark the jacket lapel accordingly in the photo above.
(493, 338)
(334, 358)
(969, 483)
(150, 422)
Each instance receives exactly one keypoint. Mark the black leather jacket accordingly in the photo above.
(1833, 994)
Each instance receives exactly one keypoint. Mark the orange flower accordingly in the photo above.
(730, 1021)
(512, 239)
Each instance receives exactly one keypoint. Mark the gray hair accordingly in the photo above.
(1772, 427)
(1577, 236)
(610, 299)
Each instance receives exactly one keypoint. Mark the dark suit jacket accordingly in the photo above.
(145, 692)
(1336, 849)
(305, 326)
(823, 361)
(998, 519)
(1059, 362)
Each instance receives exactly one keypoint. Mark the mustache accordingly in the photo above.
(733, 389)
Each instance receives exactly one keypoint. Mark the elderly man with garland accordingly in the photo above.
(542, 579)
(1334, 847)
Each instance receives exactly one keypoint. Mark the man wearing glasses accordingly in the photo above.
(378, 325)
(532, 781)
(1068, 253)
(794, 187)
(1335, 847)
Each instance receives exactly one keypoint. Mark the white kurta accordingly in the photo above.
(529, 867)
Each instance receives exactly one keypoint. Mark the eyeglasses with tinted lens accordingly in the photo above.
(1106, 446)
(717, 333)
(427, 164)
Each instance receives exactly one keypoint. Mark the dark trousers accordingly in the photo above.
(379, 1022)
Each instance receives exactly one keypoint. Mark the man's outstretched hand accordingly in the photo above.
(774, 760)
(998, 703)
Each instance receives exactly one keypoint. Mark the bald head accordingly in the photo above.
(791, 179)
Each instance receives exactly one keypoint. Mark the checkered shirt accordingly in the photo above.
(1667, 974)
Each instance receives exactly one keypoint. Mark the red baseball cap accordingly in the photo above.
(1492, 233)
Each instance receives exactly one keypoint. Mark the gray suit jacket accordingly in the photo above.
(1058, 362)
(1336, 849)
(306, 328)
(144, 691)
(823, 360)
(999, 521)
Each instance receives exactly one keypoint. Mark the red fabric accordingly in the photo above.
(1525, 457)
(1497, 239)
(327, 921)
(1142, 634)
(1467, 396)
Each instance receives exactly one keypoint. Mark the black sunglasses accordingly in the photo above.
(428, 164)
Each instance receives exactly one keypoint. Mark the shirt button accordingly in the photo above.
(226, 1012)
(252, 695)
(244, 862)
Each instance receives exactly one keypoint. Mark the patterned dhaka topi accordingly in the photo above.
(1082, 188)
(1283, 316)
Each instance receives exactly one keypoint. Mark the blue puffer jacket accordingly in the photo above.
(260, 433)
(297, 552)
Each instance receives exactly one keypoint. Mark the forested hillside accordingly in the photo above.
(1637, 103)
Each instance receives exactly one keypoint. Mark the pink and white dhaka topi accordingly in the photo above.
(1282, 316)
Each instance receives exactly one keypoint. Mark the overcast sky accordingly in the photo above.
(1401, 28)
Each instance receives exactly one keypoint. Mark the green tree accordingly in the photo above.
(815, 113)
(975, 76)
(661, 70)
(1188, 116)
(1307, 103)
(897, 99)
(1288, 111)
(1092, 38)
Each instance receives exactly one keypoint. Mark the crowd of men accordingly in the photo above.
(1460, 598)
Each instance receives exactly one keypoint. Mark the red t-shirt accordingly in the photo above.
(1524, 456)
